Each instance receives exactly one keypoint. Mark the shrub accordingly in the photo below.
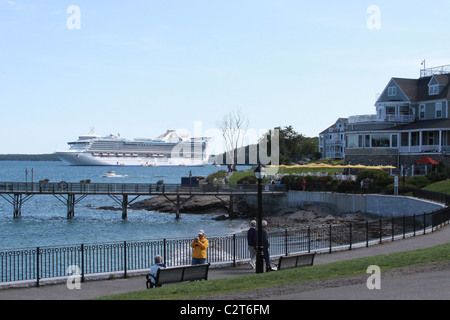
(250, 179)
(216, 175)
(378, 177)
(347, 186)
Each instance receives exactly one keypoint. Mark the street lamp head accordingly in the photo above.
(260, 171)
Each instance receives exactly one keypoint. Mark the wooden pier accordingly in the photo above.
(17, 193)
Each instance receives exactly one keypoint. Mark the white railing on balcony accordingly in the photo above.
(362, 118)
(374, 118)
(436, 70)
(399, 118)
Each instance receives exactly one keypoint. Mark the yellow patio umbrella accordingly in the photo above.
(359, 166)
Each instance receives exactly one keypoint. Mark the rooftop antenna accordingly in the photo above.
(424, 68)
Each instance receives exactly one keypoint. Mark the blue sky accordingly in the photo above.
(139, 68)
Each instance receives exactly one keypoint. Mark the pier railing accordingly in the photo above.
(131, 188)
(35, 264)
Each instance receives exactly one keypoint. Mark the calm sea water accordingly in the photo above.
(44, 222)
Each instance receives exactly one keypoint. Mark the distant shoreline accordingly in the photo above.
(29, 157)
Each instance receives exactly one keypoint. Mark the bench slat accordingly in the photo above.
(196, 272)
(169, 275)
(302, 260)
(180, 274)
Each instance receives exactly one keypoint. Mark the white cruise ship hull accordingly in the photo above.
(87, 159)
(169, 149)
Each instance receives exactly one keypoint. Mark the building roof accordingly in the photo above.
(417, 89)
(343, 120)
(423, 124)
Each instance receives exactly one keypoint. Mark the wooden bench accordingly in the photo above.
(179, 274)
(300, 260)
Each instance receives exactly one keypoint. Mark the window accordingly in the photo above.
(380, 141)
(414, 138)
(422, 112)
(438, 109)
(405, 139)
(367, 143)
(433, 90)
(354, 141)
(380, 113)
(390, 110)
(394, 141)
(392, 91)
(404, 110)
(430, 138)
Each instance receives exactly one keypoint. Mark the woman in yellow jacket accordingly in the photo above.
(200, 244)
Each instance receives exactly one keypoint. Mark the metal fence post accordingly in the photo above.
(381, 231)
(82, 262)
(37, 267)
(367, 233)
(330, 237)
(404, 227)
(309, 239)
(234, 250)
(350, 236)
(286, 241)
(125, 259)
(164, 250)
(392, 228)
(424, 225)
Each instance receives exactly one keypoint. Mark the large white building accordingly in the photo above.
(412, 120)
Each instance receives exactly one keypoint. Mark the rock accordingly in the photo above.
(109, 208)
(222, 217)
(296, 218)
(200, 204)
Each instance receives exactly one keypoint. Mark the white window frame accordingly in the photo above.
(422, 106)
(392, 91)
(438, 109)
(433, 90)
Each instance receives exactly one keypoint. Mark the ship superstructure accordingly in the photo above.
(169, 149)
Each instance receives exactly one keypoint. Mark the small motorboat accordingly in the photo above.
(112, 174)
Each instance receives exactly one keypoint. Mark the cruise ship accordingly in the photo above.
(169, 149)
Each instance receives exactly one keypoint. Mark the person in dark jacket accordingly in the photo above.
(252, 236)
(266, 245)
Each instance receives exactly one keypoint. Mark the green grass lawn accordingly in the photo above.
(440, 186)
(334, 270)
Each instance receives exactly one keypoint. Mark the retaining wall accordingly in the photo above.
(382, 205)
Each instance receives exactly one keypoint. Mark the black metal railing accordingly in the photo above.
(432, 196)
(35, 264)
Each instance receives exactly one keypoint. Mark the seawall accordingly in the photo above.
(381, 205)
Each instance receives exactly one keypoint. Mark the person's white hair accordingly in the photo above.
(264, 223)
(253, 223)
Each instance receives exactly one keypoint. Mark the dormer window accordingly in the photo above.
(392, 91)
(433, 90)
(433, 86)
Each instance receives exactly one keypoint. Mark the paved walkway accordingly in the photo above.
(434, 285)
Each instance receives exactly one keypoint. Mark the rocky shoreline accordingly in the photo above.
(291, 218)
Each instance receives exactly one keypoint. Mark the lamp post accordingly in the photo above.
(259, 174)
